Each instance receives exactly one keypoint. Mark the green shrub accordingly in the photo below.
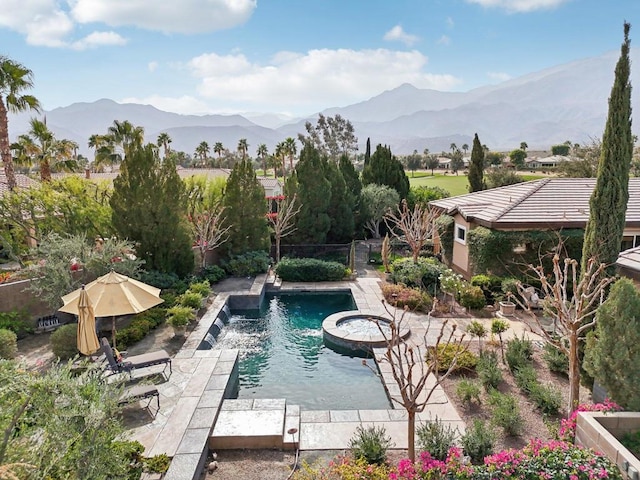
(491, 286)
(170, 299)
(505, 412)
(8, 344)
(424, 273)
(157, 464)
(489, 371)
(448, 352)
(163, 280)
(190, 299)
(248, 264)
(64, 341)
(556, 360)
(436, 438)
(203, 288)
(526, 379)
(509, 286)
(16, 322)
(180, 315)
(547, 398)
(401, 296)
(468, 391)
(519, 352)
(309, 270)
(478, 441)
(212, 273)
(472, 298)
(371, 444)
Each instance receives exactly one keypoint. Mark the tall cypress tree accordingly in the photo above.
(608, 203)
(341, 207)
(245, 210)
(476, 166)
(149, 208)
(385, 169)
(314, 194)
(367, 152)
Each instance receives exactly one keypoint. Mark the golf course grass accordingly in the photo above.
(454, 184)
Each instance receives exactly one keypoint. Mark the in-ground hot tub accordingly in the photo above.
(359, 330)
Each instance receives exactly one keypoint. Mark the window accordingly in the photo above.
(461, 234)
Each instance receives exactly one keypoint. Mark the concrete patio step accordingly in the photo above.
(249, 423)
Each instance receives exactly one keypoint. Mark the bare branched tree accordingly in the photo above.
(282, 220)
(415, 227)
(415, 365)
(209, 229)
(571, 300)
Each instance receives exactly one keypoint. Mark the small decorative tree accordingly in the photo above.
(571, 300)
(498, 327)
(208, 227)
(281, 220)
(478, 330)
(415, 366)
(385, 253)
(415, 226)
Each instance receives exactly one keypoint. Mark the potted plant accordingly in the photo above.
(179, 318)
(507, 307)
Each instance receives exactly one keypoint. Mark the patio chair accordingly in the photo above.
(532, 297)
(137, 393)
(129, 364)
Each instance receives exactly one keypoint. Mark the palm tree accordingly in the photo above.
(278, 159)
(243, 146)
(262, 153)
(163, 141)
(290, 149)
(218, 148)
(47, 151)
(202, 151)
(126, 135)
(453, 147)
(14, 78)
(524, 146)
(465, 148)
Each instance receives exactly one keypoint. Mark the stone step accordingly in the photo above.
(249, 423)
(291, 433)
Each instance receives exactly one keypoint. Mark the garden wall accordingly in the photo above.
(16, 296)
(601, 431)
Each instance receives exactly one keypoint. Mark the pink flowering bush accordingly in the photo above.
(567, 431)
(537, 461)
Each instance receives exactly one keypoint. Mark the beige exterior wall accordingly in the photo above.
(460, 253)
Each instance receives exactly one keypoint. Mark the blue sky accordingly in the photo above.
(294, 56)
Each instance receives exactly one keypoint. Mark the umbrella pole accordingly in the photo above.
(113, 331)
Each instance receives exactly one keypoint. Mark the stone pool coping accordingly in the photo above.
(358, 341)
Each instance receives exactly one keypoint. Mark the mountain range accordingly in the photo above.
(565, 102)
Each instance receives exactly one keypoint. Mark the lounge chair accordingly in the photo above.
(129, 364)
(141, 392)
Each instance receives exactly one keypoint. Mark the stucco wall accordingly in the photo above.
(460, 254)
(16, 296)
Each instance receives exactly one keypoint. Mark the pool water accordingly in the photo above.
(282, 355)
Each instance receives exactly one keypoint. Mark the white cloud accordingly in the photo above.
(41, 21)
(398, 33)
(450, 23)
(499, 76)
(185, 104)
(444, 40)
(311, 81)
(152, 66)
(520, 5)
(184, 16)
(98, 39)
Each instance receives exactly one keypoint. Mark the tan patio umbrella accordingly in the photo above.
(87, 338)
(112, 295)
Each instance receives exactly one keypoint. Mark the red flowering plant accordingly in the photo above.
(567, 431)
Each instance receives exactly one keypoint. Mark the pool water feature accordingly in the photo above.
(283, 355)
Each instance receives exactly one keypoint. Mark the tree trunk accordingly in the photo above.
(277, 248)
(411, 435)
(5, 150)
(45, 171)
(574, 372)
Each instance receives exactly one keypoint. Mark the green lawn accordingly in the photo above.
(454, 184)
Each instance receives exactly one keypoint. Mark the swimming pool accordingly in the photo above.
(282, 355)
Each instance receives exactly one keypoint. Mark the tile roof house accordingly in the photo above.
(546, 204)
(22, 181)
